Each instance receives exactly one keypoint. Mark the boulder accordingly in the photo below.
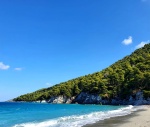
(87, 98)
(60, 99)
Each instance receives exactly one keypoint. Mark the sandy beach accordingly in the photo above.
(139, 118)
(142, 119)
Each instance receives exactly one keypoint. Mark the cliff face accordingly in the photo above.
(87, 98)
(60, 99)
(136, 99)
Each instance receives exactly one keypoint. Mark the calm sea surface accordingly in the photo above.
(56, 115)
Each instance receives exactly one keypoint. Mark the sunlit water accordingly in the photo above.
(56, 115)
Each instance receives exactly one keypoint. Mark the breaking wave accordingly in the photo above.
(80, 120)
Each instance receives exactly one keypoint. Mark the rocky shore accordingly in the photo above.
(88, 98)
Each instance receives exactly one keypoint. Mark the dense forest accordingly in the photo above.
(121, 79)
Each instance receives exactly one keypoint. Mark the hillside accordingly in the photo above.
(121, 79)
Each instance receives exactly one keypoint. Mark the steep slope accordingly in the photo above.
(121, 80)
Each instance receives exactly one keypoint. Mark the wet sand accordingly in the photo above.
(139, 118)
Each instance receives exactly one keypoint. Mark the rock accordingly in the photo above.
(43, 101)
(57, 99)
(69, 100)
(148, 99)
(92, 98)
(60, 99)
(116, 102)
(87, 98)
(139, 99)
(139, 95)
(131, 98)
(37, 101)
(104, 102)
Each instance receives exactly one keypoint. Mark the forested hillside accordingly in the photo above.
(121, 79)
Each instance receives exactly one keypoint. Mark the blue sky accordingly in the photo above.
(45, 42)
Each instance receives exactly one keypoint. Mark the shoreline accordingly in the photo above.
(139, 118)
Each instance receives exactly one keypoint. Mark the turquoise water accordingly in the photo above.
(56, 115)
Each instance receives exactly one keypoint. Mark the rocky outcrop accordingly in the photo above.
(60, 99)
(86, 98)
(138, 99)
(43, 101)
(89, 98)
(135, 99)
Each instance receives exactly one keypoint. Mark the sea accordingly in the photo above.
(57, 115)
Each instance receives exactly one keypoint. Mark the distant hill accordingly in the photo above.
(121, 79)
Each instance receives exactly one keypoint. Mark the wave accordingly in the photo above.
(80, 120)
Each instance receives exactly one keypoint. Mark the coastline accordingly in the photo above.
(140, 118)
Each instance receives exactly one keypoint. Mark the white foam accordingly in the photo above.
(80, 120)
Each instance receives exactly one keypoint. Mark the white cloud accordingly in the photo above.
(142, 44)
(18, 69)
(3, 66)
(127, 41)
